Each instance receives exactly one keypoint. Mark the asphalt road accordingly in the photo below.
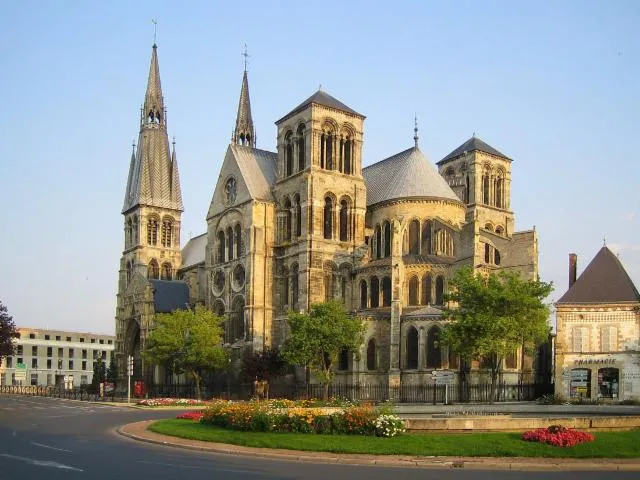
(66, 439)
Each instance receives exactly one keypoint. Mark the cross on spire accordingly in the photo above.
(246, 56)
(415, 130)
(155, 29)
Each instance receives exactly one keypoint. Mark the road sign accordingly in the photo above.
(443, 377)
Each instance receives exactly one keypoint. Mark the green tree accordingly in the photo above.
(316, 338)
(112, 371)
(187, 341)
(493, 315)
(99, 373)
(8, 332)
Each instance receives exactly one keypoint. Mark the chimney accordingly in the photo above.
(573, 268)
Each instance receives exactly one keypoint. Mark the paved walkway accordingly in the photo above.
(138, 431)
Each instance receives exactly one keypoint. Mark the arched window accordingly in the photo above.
(485, 189)
(167, 230)
(466, 190)
(128, 232)
(218, 307)
(128, 271)
(426, 290)
(500, 191)
(426, 237)
(386, 292)
(152, 231)
(229, 243)
(371, 355)
(375, 292)
(287, 221)
(363, 294)
(301, 148)
(167, 271)
(329, 151)
(238, 240)
(284, 285)
(294, 286)
(135, 230)
(413, 291)
(236, 327)
(153, 270)
(434, 351)
(412, 348)
(444, 243)
(496, 257)
(288, 154)
(387, 238)
(499, 230)
(298, 212)
(439, 289)
(220, 246)
(487, 253)
(328, 218)
(414, 237)
(378, 242)
(511, 360)
(344, 221)
(348, 167)
(343, 363)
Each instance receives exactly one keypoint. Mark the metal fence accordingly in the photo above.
(422, 393)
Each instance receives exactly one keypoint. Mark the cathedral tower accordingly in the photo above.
(152, 210)
(320, 202)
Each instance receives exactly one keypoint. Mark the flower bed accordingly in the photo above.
(308, 416)
(170, 402)
(558, 436)
(196, 416)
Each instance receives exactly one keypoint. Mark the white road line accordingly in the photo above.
(52, 448)
(42, 463)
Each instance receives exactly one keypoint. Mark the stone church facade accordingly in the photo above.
(308, 223)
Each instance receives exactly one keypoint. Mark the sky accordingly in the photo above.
(553, 85)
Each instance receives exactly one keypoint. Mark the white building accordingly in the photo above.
(55, 357)
(598, 332)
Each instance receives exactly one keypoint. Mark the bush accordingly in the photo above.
(551, 399)
(389, 426)
(558, 436)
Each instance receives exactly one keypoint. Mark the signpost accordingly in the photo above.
(129, 374)
(21, 373)
(446, 378)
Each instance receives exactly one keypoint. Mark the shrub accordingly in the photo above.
(558, 436)
(389, 426)
(551, 399)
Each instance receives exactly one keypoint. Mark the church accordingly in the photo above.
(308, 223)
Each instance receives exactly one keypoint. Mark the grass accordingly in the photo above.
(606, 445)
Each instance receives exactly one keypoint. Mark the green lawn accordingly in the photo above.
(606, 445)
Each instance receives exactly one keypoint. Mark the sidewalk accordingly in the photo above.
(138, 431)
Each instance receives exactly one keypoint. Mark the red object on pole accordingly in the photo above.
(140, 389)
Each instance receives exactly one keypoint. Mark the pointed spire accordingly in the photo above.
(153, 174)
(415, 130)
(244, 133)
(153, 109)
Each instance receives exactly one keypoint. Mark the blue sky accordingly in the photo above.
(553, 85)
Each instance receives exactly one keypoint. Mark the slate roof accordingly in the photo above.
(406, 174)
(322, 98)
(193, 251)
(603, 281)
(258, 168)
(428, 311)
(169, 295)
(473, 144)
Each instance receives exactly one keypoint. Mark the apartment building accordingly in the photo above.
(55, 357)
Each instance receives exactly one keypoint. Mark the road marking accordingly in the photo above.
(13, 433)
(52, 448)
(42, 463)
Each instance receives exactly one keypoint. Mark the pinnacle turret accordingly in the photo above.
(244, 133)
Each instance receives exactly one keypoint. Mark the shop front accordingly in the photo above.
(594, 379)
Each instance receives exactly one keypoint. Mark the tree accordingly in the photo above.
(8, 332)
(492, 316)
(187, 341)
(112, 371)
(317, 338)
(99, 373)
(263, 365)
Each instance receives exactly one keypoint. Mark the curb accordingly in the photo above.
(138, 431)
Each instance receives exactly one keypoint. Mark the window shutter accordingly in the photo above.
(584, 336)
(577, 339)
